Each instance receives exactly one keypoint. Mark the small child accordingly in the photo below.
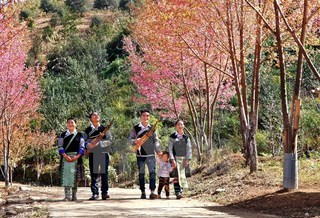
(164, 173)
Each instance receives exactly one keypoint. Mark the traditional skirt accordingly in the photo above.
(71, 172)
(181, 172)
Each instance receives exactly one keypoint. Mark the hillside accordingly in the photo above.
(260, 191)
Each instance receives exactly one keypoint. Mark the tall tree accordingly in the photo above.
(233, 30)
(176, 68)
(19, 87)
(291, 19)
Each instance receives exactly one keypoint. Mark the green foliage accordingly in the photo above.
(104, 4)
(225, 127)
(80, 79)
(77, 5)
(47, 6)
(310, 128)
(115, 47)
(262, 142)
(69, 22)
(124, 4)
(47, 32)
(112, 176)
(125, 162)
(101, 4)
(234, 143)
(25, 14)
(309, 80)
(96, 21)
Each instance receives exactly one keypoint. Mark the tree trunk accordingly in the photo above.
(253, 151)
(6, 161)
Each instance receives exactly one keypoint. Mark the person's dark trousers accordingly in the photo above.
(176, 185)
(151, 163)
(96, 161)
(164, 182)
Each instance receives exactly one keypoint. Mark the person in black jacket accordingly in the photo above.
(145, 152)
(71, 147)
(98, 157)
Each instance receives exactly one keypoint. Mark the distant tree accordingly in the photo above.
(101, 4)
(47, 6)
(76, 5)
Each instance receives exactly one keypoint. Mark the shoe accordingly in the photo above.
(159, 197)
(66, 199)
(74, 196)
(179, 196)
(105, 196)
(143, 195)
(94, 197)
(167, 197)
(153, 196)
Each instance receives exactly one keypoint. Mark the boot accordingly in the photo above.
(74, 194)
(67, 193)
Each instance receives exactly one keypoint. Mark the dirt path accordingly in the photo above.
(126, 203)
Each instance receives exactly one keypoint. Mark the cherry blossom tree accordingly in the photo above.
(19, 87)
(176, 68)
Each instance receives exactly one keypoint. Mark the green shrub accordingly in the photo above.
(25, 14)
(309, 124)
(76, 5)
(47, 6)
(235, 143)
(262, 142)
(101, 4)
(96, 21)
(47, 32)
(112, 176)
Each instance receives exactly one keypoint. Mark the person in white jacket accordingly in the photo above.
(164, 173)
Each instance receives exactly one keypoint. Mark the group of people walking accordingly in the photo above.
(73, 145)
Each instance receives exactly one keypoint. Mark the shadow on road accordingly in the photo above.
(283, 203)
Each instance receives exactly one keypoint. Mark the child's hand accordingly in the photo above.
(173, 163)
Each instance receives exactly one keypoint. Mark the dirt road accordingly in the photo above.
(126, 203)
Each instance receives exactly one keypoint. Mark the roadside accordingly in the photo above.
(29, 201)
(224, 186)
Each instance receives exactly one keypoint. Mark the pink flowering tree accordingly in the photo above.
(176, 69)
(19, 87)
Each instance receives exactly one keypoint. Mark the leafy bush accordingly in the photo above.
(101, 4)
(235, 143)
(47, 6)
(25, 14)
(76, 5)
(124, 4)
(96, 21)
(47, 32)
(262, 142)
(310, 124)
(112, 176)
